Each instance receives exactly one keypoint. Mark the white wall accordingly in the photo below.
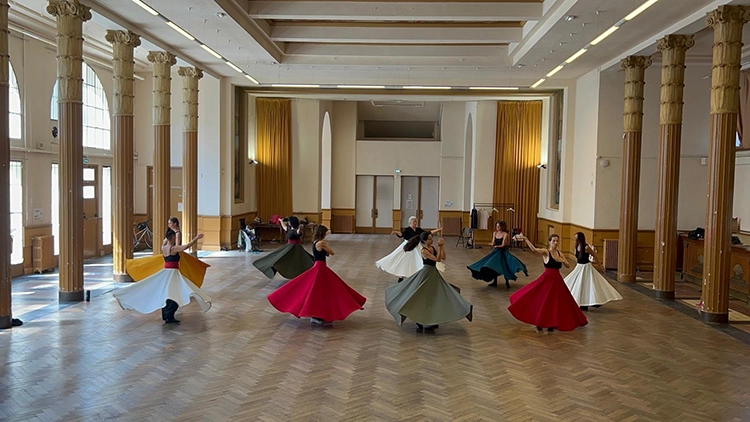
(483, 151)
(584, 149)
(469, 128)
(344, 154)
(453, 139)
(306, 131)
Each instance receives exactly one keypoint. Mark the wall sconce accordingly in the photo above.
(253, 162)
(542, 166)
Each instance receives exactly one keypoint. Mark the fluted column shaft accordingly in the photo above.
(727, 23)
(70, 15)
(123, 43)
(673, 49)
(6, 314)
(190, 78)
(635, 71)
(162, 63)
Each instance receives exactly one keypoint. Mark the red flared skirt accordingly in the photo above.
(547, 303)
(317, 293)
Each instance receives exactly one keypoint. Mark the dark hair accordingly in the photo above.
(416, 240)
(294, 222)
(320, 233)
(552, 236)
(580, 242)
(503, 225)
(169, 234)
(174, 221)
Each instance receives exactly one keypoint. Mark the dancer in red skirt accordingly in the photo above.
(318, 293)
(546, 302)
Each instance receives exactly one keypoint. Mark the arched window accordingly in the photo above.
(14, 111)
(95, 111)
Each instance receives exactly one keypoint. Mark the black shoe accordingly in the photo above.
(539, 329)
(551, 329)
(420, 328)
(400, 279)
(597, 306)
(430, 329)
(15, 322)
(507, 284)
(584, 308)
(493, 284)
(172, 321)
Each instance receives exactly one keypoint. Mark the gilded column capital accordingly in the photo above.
(678, 42)
(190, 72)
(728, 14)
(631, 62)
(162, 57)
(69, 8)
(123, 37)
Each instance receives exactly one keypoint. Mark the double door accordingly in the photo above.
(374, 212)
(420, 198)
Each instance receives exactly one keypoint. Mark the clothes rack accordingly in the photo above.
(501, 208)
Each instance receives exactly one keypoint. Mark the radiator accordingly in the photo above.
(452, 226)
(43, 253)
(610, 254)
(342, 224)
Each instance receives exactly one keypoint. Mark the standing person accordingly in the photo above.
(546, 302)
(499, 262)
(167, 289)
(174, 224)
(289, 260)
(588, 287)
(400, 262)
(318, 293)
(425, 297)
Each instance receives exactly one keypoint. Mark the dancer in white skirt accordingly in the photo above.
(588, 287)
(168, 289)
(403, 264)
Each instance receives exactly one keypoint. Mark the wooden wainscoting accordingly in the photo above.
(397, 220)
(342, 220)
(451, 221)
(325, 218)
(210, 226)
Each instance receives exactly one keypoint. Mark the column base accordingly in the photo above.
(713, 318)
(664, 295)
(6, 322)
(122, 278)
(626, 278)
(71, 296)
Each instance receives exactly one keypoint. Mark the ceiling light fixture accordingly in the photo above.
(230, 64)
(555, 70)
(295, 86)
(180, 30)
(361, 86)
(495, 88)
(638, 11)
(575, 56)
(253, 80)
(424, 87)
(539, 82)
(146, 7)
(212, 52)
(570, 18)
(605, 34)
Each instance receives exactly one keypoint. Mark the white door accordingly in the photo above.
(428, 202)
(409, 198)
(384, 202)
(365, 195)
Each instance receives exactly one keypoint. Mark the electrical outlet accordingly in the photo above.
(40, 145)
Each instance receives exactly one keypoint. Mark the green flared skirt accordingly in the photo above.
(289, 260)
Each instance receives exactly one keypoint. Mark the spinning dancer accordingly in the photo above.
(588, 287)
(174, 224)
(289, 260)
(499, 262)
(425, 297)
(318, 293)
(167, 289)
(402, 263)
(546, 301)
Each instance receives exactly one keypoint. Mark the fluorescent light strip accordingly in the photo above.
(575, 56)
(295, 86)
(539, 82)
(253, 80)
(495, 88)
(146, 7)
(230, 64)
(212, 52)
(638, 11)
(425, 87)
(605, 34)
(555, 70)
(361, 86)
(180, 30)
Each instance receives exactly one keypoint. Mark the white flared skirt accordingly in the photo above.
(588, 287)
(151, 293)
(403, 264)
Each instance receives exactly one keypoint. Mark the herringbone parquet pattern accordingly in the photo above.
(637, 360)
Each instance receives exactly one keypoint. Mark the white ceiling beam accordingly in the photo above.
(557, 10)
(394, 34)
(358, 50)
(272, 50)
(392, 61)
(394, 11)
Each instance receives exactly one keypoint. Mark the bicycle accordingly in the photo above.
(142, 233)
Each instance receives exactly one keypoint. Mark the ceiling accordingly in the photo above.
(459, 43)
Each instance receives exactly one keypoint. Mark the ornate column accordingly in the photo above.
(635, 70)
(162, 62)
(727, 22)
(70, 16)
(123, 43)
(673, 48)
(190, 77)
(6, 314)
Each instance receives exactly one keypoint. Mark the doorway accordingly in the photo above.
(419, 198)
(374, 213)
(91, 220)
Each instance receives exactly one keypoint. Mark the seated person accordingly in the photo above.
(247, 238)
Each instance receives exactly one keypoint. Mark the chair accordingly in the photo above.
(464, 237)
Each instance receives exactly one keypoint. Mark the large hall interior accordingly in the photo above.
(362, 210)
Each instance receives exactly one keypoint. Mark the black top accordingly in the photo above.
(583, 256)
(499, 241)
(293, 235)
(408, 232)
(552, 263)
(319, 255)
(428, 261)
(172, 258)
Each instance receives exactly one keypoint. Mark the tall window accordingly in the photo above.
(16, 211)
(106, 205)
(95, 111)
(55, 214)
(14, 111)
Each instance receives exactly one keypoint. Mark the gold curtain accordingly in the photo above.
(274, 156)
(517, 155)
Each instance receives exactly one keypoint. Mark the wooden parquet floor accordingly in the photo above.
(637, 360)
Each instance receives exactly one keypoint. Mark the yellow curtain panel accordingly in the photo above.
(517, 155)
(274, 156)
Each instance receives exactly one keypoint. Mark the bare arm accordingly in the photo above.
(323, 246)
(543, 252)
(563, 259)
(592, 251)
(178, 238)
(437, 230)
(183, 248)
(506, 241)
(441, 249)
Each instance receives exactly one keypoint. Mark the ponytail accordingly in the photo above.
(416, 240)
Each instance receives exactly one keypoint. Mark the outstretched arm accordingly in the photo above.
(533, 248)
(183, 248)
(437, 230)
(397, 233)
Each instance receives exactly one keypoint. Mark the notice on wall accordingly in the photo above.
(179, 207)
(409, 204)
(448, 204)
(38, 215)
